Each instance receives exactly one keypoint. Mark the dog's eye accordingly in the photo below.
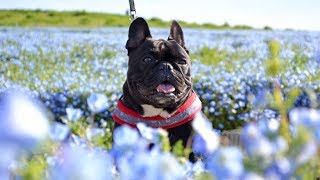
(147, 59)
(182, 61)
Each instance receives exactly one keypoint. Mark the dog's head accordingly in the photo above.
(159, 71)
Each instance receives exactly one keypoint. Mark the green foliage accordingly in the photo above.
(204, 176)
(108, 54)
(310, 170)
(299, 60)
(35, 167)
(157, 22)
(222, 57)
(267, 28)
(273, 64)
(81, 126)
(165, 142)
(44, 18)
(210, 56)
(273, 67)
(291, 97)
(84, 21)
(77, 127)
(226, 25)
(60, 19)
(79, 13)
(244, 27)
(103, 141)
(274, 48)
(179, 150)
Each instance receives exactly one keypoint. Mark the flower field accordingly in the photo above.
(59, 87)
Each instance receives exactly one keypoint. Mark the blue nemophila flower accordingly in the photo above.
(97, 102)
(307, 151)
(309, 118)
(269, 126)
(73, 114)
(75, 140)
(153, 135)
(259, 100)
(282, 168)
(92, 133)
(226, 163)
(23, 120)
(317, 136)
(280, 145)
(252, 176)
(194, 169)
(59, 131)
(82, 164)
(153, 165)
(125, 136)
(199, 146)
(206, 140)
(255, 143)
(8, 156)
(127, 142)
(317, 56)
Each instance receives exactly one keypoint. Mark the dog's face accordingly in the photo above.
(159, 70)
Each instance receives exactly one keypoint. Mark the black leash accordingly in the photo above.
(132, 10)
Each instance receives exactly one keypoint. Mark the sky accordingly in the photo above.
(278, 14)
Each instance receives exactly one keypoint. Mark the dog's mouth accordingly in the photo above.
(165, 88)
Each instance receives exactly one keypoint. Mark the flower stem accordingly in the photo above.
(284, 122)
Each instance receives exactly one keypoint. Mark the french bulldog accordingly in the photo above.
(158, 89)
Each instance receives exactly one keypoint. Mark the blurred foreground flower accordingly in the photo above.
(23, 123)
(309, 118)
(97, 102)
(22, 120)
(59, 132)
(158, 136)
(226, 163)
(82, 164)
(151, 165)
(206, 140)
(317, 56)
(255, 143)
(73, 114)
(126, 141)
(136, 160)
(93, 133)
(8, 153)
(125, 136)
(260, 99)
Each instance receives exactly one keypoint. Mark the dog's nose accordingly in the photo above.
(164, 66)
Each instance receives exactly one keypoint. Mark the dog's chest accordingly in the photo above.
(150, 111)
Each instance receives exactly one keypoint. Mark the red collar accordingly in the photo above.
(184, 114)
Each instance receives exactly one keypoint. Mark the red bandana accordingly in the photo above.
(184, 114)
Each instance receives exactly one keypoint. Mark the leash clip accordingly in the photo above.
(132, 10)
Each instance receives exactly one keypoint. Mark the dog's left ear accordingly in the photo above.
(176, 34)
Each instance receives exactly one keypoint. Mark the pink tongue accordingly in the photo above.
(165, 88)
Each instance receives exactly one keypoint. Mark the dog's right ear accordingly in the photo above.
(138, 33)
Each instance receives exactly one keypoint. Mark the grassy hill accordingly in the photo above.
(43, 18)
